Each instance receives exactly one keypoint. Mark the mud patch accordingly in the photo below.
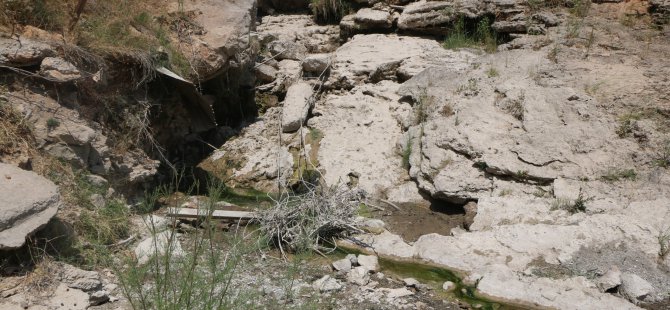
(414, 220)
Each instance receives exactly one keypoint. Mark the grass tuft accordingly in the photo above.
(627, 124)
(572, 206)
(482, 37)
(663, 159)
(329, 11)
(406, 153)
(492, 72)
(619, 174)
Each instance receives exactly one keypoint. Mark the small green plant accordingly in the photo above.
(589, 42)
(469, 88)
(406, 153)
(329, 11)
(481, 165)
(505, 192)
(52, 123)
(516, 107)
(574, 26)
(447, 110)
(627, 123)
(540, 193)
(572, 206)
(315, 134)
(492, 72)
(483, 36)
(99, 229)
(424, 103)
(592, 88)
(580, 8)
(364, 210)
(663, 159)
(619, 174)
(664, 243)
(521, 175)
(553, 54)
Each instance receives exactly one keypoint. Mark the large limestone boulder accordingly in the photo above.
(477, 128)
(255, 158)
(299, 28)
(366, 21)
(59, 69)
(438, 17)
(225, 45)
(23, 52)
(27, 201)
(375, 57)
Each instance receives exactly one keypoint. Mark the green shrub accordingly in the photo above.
(52, 123)
(406, 153)
(482, 36)
(492, 72)
(572, 206)
(663, 159)
(619, 174)
(329, 11)
(580, 8)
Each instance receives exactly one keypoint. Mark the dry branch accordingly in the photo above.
(298, 222)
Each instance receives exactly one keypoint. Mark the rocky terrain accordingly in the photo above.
(513, 154)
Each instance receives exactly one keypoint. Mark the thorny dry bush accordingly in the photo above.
(305, 222)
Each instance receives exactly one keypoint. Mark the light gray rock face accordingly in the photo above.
(431, 16)
(326, 284)
(376, 57)
(365, 20)
(23, 52)
(439, 17)
(96, 180)
(300, 28)
(359, 276)
(287, 50)
(373, 18)
(28, 202)
(316, 63)
(371, 262)
(66, 135)
(59, 69)
(296, 106)
(393, 293)
(448, 286)
(79, 279)
(342, 265)
(255, 159)
(460, 151)
(265, 73)
(634, 287)
(225, 45)
(160, 244)
(609, 280)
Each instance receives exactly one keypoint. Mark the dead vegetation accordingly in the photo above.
(142, 30)
(15, 130)
(306, 222)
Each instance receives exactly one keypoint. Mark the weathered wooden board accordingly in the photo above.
(217, 214)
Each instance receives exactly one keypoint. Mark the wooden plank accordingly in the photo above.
(217, 214)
